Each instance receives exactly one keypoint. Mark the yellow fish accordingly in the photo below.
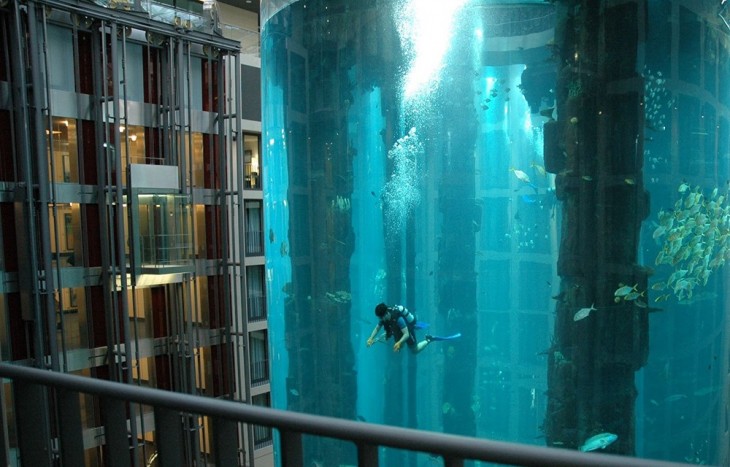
(540, 169)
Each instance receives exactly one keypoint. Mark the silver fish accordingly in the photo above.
(583, 313)
(599, 441)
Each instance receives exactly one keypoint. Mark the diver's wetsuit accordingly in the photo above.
(400, 318)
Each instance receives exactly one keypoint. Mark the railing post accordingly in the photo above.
(169, 437)
(32, 418)
(116, 437)
(71, 435)
(291, 449)
(225, 441)
(367, 455)
(453, 462)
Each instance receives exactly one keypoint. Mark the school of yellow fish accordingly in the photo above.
(695, 238)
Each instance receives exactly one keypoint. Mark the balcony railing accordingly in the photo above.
(170, 407)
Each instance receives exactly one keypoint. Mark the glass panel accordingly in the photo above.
(71, 322)
(65, 231)
(140, 313)
(547, 180)
(133, 145)
(60, 58)
(164, 228)
(198, 164)
(201, 250)
(63, 161)
(201, 312)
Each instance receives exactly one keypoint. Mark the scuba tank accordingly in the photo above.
(401, 311)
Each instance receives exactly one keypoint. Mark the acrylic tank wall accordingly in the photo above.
(548, 179)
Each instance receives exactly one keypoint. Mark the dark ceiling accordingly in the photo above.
(250, 5)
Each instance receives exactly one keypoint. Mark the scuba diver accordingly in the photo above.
(401, 324)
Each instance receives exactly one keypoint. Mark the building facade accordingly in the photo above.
(131, 244)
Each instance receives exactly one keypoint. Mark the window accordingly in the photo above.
(256, 299)
(65, 228)
(254, 236)
(252, 167)
(259, 358)
(261, 434)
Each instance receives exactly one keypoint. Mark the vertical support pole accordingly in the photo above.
(114, 413)
(223, 174)
(225, 442)
(40, 107)
(453, 462)
(169, 437)
(71, 433)
(367, 454)
(291, 449)
(25, 214)
(31, 405)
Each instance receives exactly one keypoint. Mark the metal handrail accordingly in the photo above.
(291, 425)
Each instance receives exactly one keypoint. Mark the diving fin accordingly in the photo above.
(443, 338)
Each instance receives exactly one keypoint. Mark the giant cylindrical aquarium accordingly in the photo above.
(543, 185)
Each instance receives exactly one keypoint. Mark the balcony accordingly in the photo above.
(33, 388)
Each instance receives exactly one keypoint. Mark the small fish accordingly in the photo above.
(587, 178)
(662, 298)
(659, 286)
(540, 169)
(624, 290)
(583, 313)
(599, 441)
(661, 230)
(272, 236)
(630, 181)
(675, 397)
(633, 296)
(522, 176)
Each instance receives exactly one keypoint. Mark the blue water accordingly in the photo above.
(398, 169)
